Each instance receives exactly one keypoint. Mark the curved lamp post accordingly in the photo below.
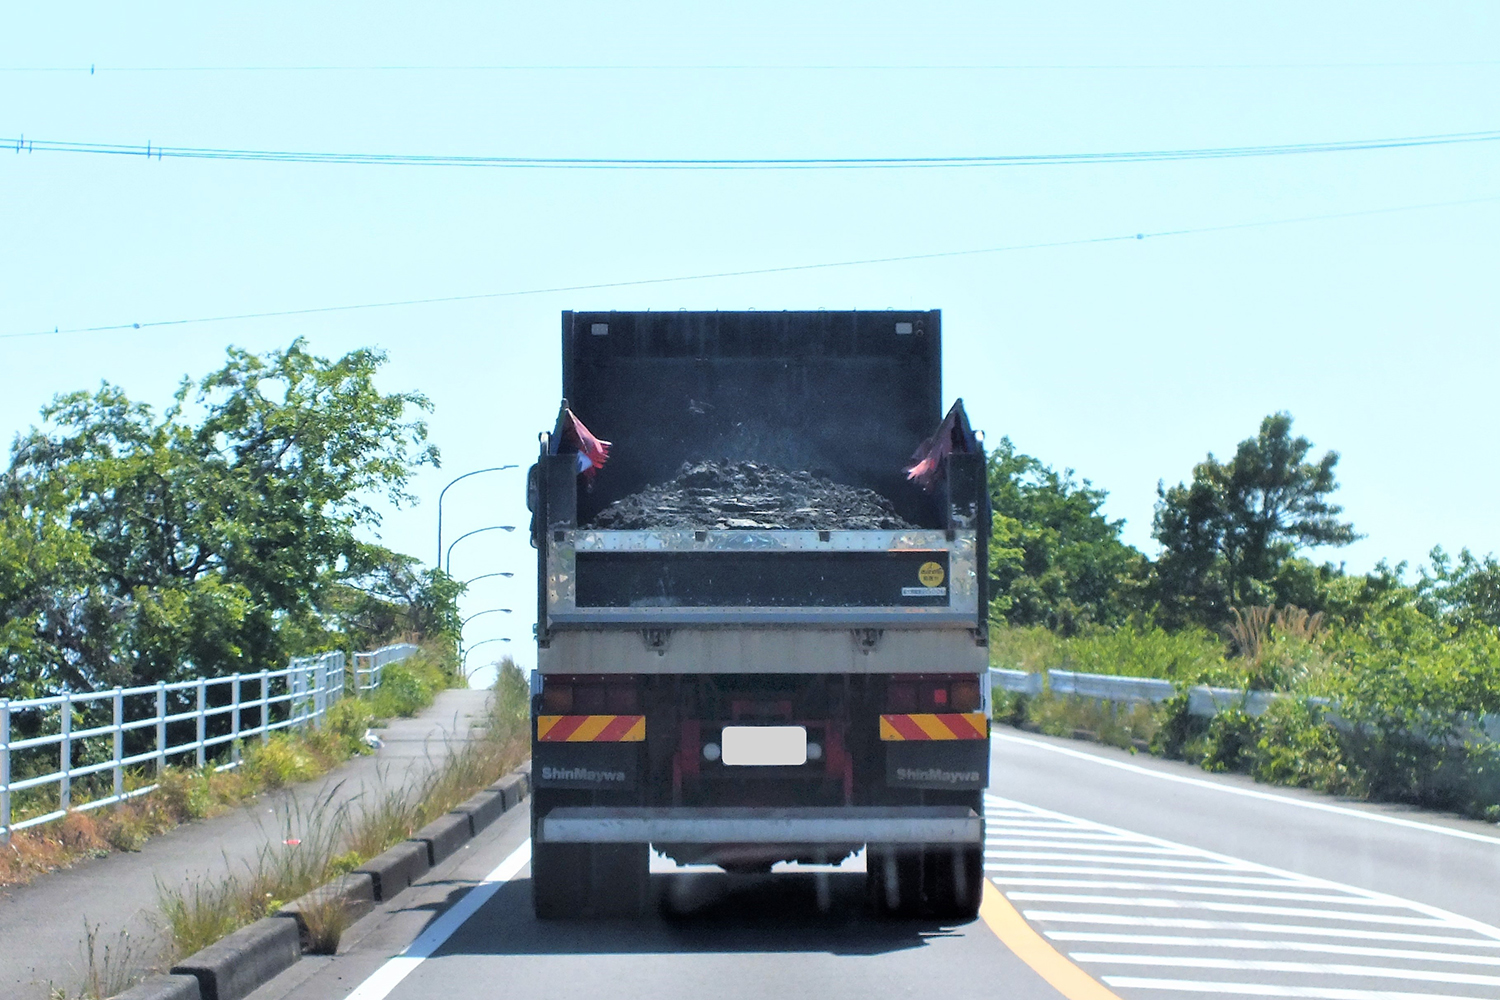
(489, 611)
(448, 565)
(466, 475)
(463, 663)
(485, 576)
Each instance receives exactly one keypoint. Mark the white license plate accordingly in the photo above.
(764, 746)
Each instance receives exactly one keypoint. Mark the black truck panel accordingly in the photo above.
(846, 395)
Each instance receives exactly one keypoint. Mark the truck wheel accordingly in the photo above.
(893, 879)
(954, 879)
(559, 880)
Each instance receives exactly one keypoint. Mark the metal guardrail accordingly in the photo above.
(1203, 701)
(183, 718)
(367, 666)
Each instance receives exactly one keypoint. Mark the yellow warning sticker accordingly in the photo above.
(931, 574)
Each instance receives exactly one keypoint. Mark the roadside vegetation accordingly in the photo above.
(329, 838)
(226, 534)
(1401, 665)
(185, 794)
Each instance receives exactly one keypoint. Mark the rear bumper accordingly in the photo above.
(810, 826)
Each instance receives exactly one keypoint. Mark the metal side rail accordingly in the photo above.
(686, 825)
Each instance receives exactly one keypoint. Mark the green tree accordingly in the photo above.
(1228, 534)
(1055, 559)
(136, 548)
(386, 594)
(1465, 592)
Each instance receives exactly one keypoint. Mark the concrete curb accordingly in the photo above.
(443, 836)
(397, 868)
(237, 965)
(353, 893)
(233, 967)
(481, 810)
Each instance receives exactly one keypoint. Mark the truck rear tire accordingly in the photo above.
(906, 881)
(954, 879)
(893, 879)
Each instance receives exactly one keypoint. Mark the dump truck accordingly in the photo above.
(734, 694)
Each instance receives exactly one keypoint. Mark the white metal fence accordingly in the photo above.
(367, 666)
(98, 733)
(1202, 700)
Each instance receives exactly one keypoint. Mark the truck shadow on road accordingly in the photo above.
(704, 912)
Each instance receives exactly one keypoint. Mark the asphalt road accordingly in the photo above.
(1155, 879)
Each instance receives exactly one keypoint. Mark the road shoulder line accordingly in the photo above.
(1030, 947)
(379, 984)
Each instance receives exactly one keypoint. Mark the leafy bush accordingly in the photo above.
(1129, 727)
(1188, 656)
(280, 761)
(409, 686)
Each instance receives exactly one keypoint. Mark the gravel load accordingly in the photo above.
(749, 495)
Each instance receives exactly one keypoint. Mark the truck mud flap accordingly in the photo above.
(956, 764)
(595, 766)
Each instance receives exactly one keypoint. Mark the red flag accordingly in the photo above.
(953, 435)
(592, 452)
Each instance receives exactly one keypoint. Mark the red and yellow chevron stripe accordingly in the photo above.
(965, 726)
(591, 728)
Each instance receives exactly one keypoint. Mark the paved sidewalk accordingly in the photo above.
(43, 925)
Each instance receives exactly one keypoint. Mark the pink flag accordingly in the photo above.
(592, 452)
(953, 435)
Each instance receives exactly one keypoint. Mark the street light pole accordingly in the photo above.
(444, 490)
(463, 660)
(494, 527)
(485, 576)
(489, 611)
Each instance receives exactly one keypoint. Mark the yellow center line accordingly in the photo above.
(1030, 947)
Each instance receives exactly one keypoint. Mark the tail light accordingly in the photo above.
(594, 696)
(907, 694)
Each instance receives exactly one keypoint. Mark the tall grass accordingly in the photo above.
(1190, 656)
(332, 837)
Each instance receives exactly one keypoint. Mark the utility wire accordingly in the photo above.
(753, 67)
(22, 144)
(751, 272)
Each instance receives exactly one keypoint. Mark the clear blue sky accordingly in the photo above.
(1127, 361)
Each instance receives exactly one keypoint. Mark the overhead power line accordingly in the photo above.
(148, 151)
(749, 272)
(1017, 67)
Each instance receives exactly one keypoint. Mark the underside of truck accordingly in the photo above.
(751, 694)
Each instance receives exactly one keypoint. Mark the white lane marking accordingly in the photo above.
(384, 979)
(1113, 860)
(1202, 890)
(1253, 794)
(1306, 968)
(1438, 913)
(1132, 873)
(1076, 847)
(1118, 883)
(1247, 944)
(1156, 903)
(1179, 923)
(1058, 832)
(1269, 990)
